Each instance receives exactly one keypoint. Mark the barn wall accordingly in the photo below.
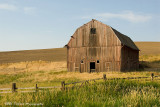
(130, 59)
(103, 46)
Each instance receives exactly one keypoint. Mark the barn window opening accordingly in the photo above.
(92, 66)
(93, 31)
(82, 61)
(98, 61)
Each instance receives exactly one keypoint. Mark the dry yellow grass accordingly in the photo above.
(30, 66)
(151, 62)
(150, 58)
(29, 73)
(53, 77)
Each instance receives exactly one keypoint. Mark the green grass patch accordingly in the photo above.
(58, 72)
(5, 79)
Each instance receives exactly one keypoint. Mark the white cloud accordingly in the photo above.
(11, 7)
(29, 10)
(127, 15)
(8, 7)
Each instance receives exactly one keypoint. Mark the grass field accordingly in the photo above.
(115, 93)
(28, 68)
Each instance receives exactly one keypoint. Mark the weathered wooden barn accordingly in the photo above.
(96, 47)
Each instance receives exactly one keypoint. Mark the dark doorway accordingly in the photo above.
(92, 66)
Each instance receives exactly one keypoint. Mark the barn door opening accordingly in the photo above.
(92, 66)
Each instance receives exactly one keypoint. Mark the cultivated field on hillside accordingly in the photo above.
(57, 54)
(148, 48)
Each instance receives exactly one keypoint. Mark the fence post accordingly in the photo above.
(14, 87)
(63, 85)
(36, 87)
(104, 76)
(14, 69)
(152, 76)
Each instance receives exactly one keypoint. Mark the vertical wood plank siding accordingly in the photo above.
(104, 46)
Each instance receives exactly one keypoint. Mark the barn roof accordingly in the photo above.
(125, 40)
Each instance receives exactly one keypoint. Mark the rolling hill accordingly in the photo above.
(59, 54)
(147, 48)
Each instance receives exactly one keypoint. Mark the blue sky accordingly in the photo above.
(42, 24)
